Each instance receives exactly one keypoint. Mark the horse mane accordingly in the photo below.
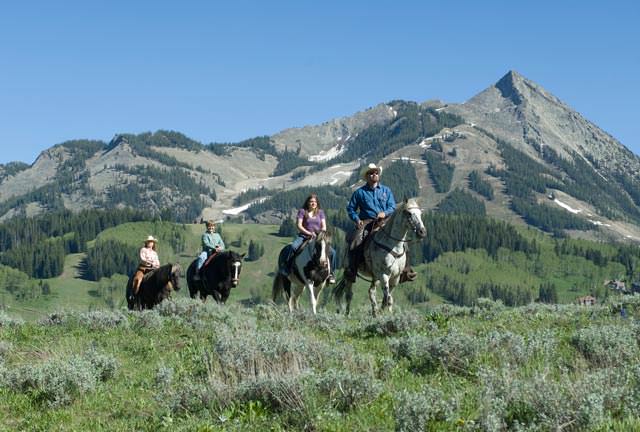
(220, 260)
(163, 272)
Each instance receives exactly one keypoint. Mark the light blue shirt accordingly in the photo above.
(211, 240)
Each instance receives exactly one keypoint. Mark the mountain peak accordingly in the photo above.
(510, 86)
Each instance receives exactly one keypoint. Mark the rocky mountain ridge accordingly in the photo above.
(166, 171)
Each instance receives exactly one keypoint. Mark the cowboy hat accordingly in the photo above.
(151, 238)
(369, 168)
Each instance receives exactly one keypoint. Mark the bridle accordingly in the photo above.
(413, 228)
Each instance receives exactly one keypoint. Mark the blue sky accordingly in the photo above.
(226, 71)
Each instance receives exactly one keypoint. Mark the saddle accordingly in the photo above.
(208, 260)
(363, 235)
(146, 271)
(289, 263)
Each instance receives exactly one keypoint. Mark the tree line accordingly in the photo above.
(37, 246)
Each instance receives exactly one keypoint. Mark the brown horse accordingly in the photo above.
(156, 286)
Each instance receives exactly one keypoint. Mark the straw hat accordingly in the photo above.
(149, 239)
(369, 168)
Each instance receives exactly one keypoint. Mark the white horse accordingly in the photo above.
(385, 255)
(311, 269)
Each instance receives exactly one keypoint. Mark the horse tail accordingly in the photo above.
(193, 286)
(339, 290)
(129, 294)
(281, 287)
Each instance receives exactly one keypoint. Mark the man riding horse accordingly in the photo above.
(368, 207)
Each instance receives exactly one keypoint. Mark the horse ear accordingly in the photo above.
(243, 255)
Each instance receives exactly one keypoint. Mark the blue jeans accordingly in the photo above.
(201, 259)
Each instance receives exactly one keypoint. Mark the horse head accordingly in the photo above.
(321, 248)
(174, 276)
(235, 266)
(412, 214)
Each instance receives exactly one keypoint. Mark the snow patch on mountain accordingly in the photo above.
(567, 206)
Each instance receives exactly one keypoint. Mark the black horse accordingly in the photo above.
(156, 286)
(217, 277)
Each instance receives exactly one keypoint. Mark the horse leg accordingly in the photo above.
(293, 300)
(392, 284)
(312, 294)
(372, 298)
(348, 297)
(386, 295)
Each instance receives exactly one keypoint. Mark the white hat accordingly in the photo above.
(151, 238)
(369, 168)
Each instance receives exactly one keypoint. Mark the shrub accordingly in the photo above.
(147, 319)
(414, 411)
(95, 320)
(279, 394)
(58, 381)
(246, 355)
(454, 351)
(607, 345)
(7, 321)
(5, 348)
(389, 325)
(103, 319)
(346, 390)
(543, 402)
(197, 314)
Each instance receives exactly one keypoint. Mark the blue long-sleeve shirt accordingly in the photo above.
(370, 201)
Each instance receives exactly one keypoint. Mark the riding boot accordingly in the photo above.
(196, 275)
(408, 275)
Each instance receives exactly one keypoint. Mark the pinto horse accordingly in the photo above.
(311, 269)
(385, 255)
(156, 286)
(217, 277)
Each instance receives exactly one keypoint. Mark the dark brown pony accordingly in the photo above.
(217, 277)
(156, 286)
